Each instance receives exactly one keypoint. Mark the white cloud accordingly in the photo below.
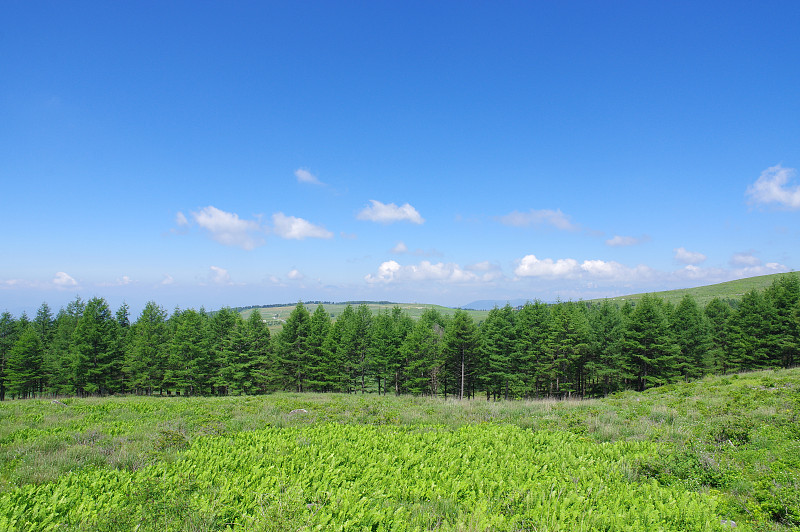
(688, 257)
(220, 275)
(63, 280)
(168, 279)
(745, 259)
(771, 187)
(227, 228)
(391, 271)
(295, 275)
(399, 248)
(181, 220)
(291, 227)
(531, 266)
(622, 241)
(390, 213)
(556, 219)
(304, 176)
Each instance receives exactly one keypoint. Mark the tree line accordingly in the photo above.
(567, 349)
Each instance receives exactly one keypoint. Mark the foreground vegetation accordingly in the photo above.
(688, 456)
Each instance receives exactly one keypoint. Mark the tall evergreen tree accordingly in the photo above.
(496, 346)
(689, 328)
(421, 365)
(749, 332)
(222, 330)
(784, 297)
(607, 324)
(58, 361)
(650, 347)
(92, 361)
(189, 365)
(146, 354)
(459, 349)
(24, 366)
(293, 348)
(8, 337)
(717, 357)
(257, 368)
(570, 346)
(533, 324)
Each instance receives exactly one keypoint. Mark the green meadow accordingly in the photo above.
(688, 456)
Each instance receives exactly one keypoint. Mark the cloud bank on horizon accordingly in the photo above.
(507, 152)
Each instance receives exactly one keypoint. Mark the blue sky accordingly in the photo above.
(241, 153)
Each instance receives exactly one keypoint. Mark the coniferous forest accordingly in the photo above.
(567, 349)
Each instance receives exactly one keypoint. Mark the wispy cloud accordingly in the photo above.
(543, 217)
(303, 175)
(624, 241)
(387, 213)
(219, 275)
(486, 271)
(400, 248)
(745, 259)
(295, 275)
(227, 228)
(64, 280)
(685, 256)
(771, 187)
(120, 281)
(291, 227)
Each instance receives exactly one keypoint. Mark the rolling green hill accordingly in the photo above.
(704, 294)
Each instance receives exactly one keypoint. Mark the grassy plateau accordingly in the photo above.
(715, 454)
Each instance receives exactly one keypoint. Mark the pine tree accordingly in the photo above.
(533, 324)
(689, 328)
(652, 352)
(92, 360)
(749, 332)
(717, 357)
(382, 346)
(222, 327)
(784, 297)
(146, 353)
(570, 347)
(24, 366)
(606, 320)
(293, 348)
(189, 361)
(59, 375)
(459, 349)
(8, 337)
(497, 343)
(421, 359)
(258, 368)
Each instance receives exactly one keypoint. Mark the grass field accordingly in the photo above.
(704, 294)
(727, 447)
